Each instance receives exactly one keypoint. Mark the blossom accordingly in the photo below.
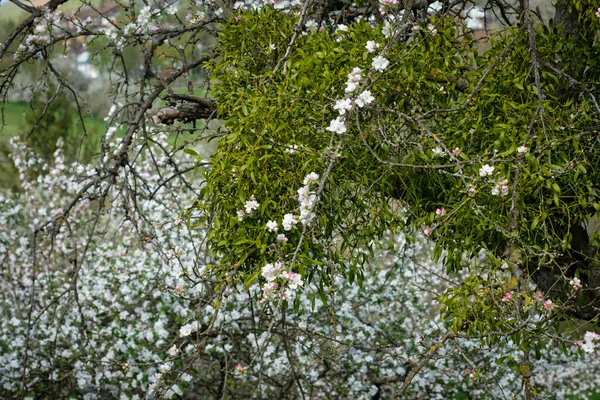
(432, 30)
(415, 28)
(427, 230)
(173, 351)
(576, 284)
(380, 63)
(251, 205)
(342, 27)
(438, 152)
(501, 188)
(282, 238)
(441, 212)
(355, 75)
(239, 368)
(272, 226)
(343, 105)
(456, 151)
(171, 10)
(507, 297)
(522, 149)
(311, 23)
(303, 192)
(387, 29)
(312, 177)
(354, 79)
(289, 220)
(549, 305)
(486, 170)
(241, 214)
(291, 149)
(351, 87)
(186, 330)
(598, 13)
(270, 271)
(588, 347)
(371, 46)
(337, 126)
(590, 336)
(294, 279)
(364, 98)
(307, 199)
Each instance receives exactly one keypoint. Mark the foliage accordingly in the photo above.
(493, 154)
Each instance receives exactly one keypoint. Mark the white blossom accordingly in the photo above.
(337, 126)
(380, 64)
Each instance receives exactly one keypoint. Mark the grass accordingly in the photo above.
(14, 122)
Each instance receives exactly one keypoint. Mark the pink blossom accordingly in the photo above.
(549, 305)
(507, 297)
(371, 46)
(432, 30)
(427, 230)
(241, 214)
(576, 284)
(441, 212)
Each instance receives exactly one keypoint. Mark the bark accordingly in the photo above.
(186, 109)
(567, 19)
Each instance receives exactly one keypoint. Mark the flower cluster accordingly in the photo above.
(589, 340)
(354, 79)
(289, 282)
(576, 284)
(249, 207)
(486, 170)
(307, 198)
(387, 6)
(501, 188)
(346, 104)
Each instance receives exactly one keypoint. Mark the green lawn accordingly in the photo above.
(14, 121)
